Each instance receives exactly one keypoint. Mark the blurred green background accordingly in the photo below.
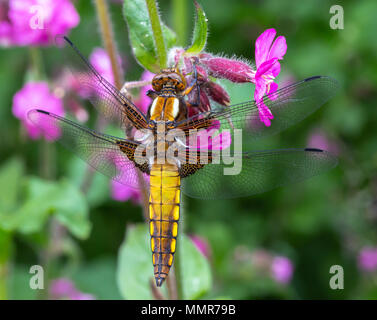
(321, 222)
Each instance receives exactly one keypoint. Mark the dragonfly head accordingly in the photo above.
(169, 78)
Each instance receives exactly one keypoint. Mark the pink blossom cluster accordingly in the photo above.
(64, 289)
(35, 22)
(279, 267)
(202, 245)
(367, 259)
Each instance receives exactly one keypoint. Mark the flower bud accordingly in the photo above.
(233, 70)
(217, 93)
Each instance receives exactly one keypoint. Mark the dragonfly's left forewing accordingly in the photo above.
(114, 157)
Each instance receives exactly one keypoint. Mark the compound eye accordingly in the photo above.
(157, 84)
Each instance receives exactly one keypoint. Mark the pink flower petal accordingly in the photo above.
(121, 192)
(262, 46)
(265, 67)
(144, 101)
(282, 269)
(278, 48)
(102, 63)
(367, 259)
(37, 95)
(260, 89)
(57, 17)
(275, 69)
(221, 141)
(201, 244)
(273, 88)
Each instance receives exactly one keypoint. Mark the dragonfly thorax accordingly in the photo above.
(164, 108)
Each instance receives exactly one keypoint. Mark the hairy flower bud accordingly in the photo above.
(217, 93)
(233, 70)
(205, 105)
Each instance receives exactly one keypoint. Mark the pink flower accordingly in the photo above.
(319, 139)
(121, 192)
(267, 54)
(201, 244)
(64, 288)
(209, 140)
(36, 95)
(367, 259)
(282, 269)
(37, 22)
(129, 190)
(102, 63)
(5, 32)
(144, 101)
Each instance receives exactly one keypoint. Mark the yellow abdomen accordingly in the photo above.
(164, 202)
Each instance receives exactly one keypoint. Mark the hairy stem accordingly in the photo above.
(180, 20)
(107, 35)
(157, 32)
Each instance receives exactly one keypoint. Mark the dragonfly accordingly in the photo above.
(121, 158)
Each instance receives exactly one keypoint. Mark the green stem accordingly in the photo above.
(157, 32)
(4, 273)
(177, 260)
(180, 20)
(5, 262)
(48, 160)
(36, 62)
(107, 35)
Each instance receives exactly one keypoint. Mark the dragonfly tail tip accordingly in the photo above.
(159, 281)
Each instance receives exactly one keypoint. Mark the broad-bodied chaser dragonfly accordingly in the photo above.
(119, 158)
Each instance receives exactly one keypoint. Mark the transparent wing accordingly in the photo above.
(288, 105)
(261, 171)
(108, 100)
(109, 155)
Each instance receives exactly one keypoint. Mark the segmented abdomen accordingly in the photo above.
(164, 204)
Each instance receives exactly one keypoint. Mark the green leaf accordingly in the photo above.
(72, 210)
(44, 198)
(135, 269)
(196, 271)
(199, 38)
(5, 246)
(33, 212)
(19, 287)
(86, 279)
(141, 37)
(10, 177)
(98, 192)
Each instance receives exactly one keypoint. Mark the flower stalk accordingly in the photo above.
(107, 35)
(180, 21)
(157, 32)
